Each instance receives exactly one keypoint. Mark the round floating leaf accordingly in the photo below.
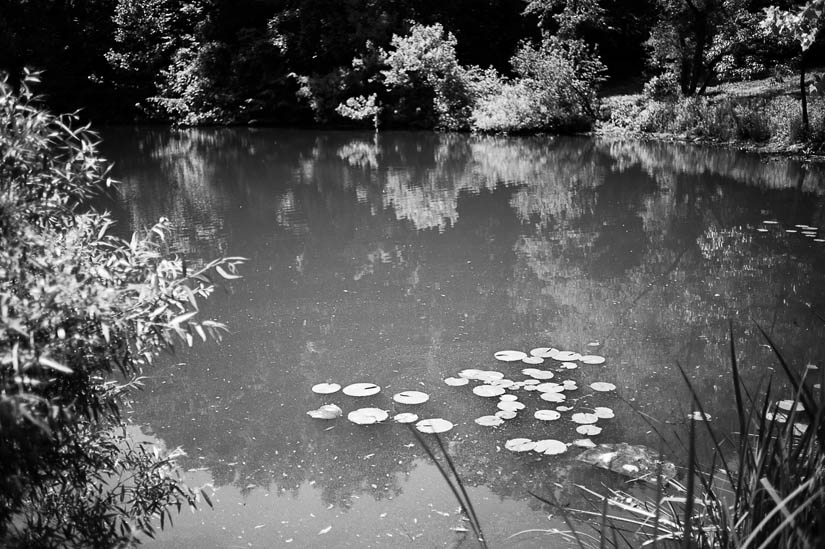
(508, 398)
(489, 421)
(510, 356)
(550, 447)
(326, 388)
(519, 444)
(543, 352)
(405, 417)
(584, 418)
(547, 415)
(506, 414)
(367, 416)
(697, 416)
(553, 397)
(564, 408)
(537, 374)
(488, 391)
(569, 365)
(511, 405)
(532, 360)
(569, 385)
(456, 381)
(531, 382)
(434, 425)
(602, 386)
(592, 359)
(566, 356)
(788, 405)
(487, 375)
(588, 430)
(411, 397)
(327, 411)
(504, 383)
(361, 389)
(550, 387)
(584, 443)
(604, 413)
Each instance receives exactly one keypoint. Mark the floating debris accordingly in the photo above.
(456, 381)
(434, 425)
(546, 415)
(592, 359)
(777, 417)
(698, 416)
(603, 412)
(588, 430)
(602, 386)
(327, 411)
(326, 388)
(550, 447)
(405, 417)
(489, 421)
(584, 443)
(615, 457)
(488, 390)
(361, 389)
(510, 356)
(519, 444)
(367, 416)
(584, 418)
(411, 397)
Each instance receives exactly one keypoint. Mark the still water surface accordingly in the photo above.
(403, 258)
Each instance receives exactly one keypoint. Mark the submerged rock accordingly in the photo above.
(630, 460)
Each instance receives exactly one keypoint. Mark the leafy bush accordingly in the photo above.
(81, 314)
(662, 86)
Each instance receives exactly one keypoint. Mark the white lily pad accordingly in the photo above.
(584, 443)
(456, 381)
(405, 417)
(604, 412)
(583, 418)
(361, 389)
(553, 397)
(564, 408)
(592, 359)
(537, 374)
(367, 416)
(510, 356)
(550, 447)
(503, 383)
(506, 414)
(788, 405)
(488, 391)
(569, 385)
(602, 386)
(469, 373)
(327, 411)
(531, 382)
(512, 405)
(569, 365)
(508, 398)
(547, 415)
(588, 430)
(489, 421)
(326, 388)
(566, 356)
(543, 352)
(519, 444)
(434, 425)
(411, 397)
(550, 387)
(532, 360)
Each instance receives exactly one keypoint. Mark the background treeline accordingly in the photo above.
(490, 65)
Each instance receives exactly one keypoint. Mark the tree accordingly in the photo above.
(82, 313)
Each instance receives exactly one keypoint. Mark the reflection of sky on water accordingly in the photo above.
(403, 258)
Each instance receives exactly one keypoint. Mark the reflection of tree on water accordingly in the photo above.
(403, 260)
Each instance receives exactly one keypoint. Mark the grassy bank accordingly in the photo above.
(761, 115)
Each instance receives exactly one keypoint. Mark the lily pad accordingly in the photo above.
(456, 381)
(553, 397)
(506, 414)
(569, 385)
(602, 386)
(532, 360)
(327, 411)
(564, 408)
(543, 352)
(550, 447)
(550, 387)
(326, 388)
(411, 397)
(569, 365)
(508, 398)
(588, 430)
(519, 444)
(603, 412)
(367, 416)
(592, 359)
(405, 417)
(566, 356)
(434, 425)
(584, 443)
(512, 405)
(489, 421)
(537, 374)
(583, 418)
(510, 356)
(547, 415)
(488, 391)
(361, 389)
(469, 373)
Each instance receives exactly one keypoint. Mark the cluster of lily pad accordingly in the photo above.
(494, 384)
(371, 415)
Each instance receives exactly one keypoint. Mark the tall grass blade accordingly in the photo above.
(564, 515)
(691, 483)
(468, 504)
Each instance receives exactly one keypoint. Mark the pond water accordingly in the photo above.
(403, 258)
